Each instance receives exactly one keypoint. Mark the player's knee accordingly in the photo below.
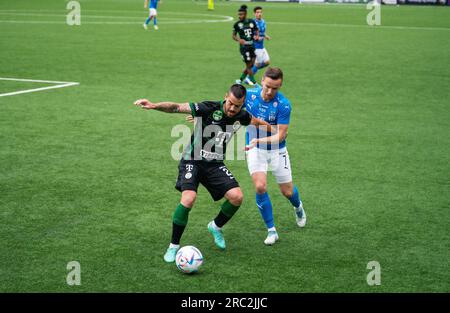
(287, 192)
(236, 197)
(260, 187)
(188, 198)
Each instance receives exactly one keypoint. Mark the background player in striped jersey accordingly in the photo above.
(262, 56)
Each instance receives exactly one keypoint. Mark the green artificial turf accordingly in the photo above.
(86, 176)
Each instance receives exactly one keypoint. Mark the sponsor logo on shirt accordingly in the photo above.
(211, 155)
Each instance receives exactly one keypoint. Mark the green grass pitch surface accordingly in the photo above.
(86, 176)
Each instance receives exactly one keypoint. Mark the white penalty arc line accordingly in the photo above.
(60, 84)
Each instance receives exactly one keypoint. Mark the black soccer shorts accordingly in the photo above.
(215, 176)
(248, 53)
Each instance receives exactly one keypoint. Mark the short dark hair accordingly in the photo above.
(238, 91)
(274, 73)
(257, 8)
(243, 8)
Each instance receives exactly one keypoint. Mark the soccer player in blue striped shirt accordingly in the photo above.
(262, 56)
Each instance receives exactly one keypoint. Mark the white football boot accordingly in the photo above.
(145, 26)
(300, 215)
(272, 237)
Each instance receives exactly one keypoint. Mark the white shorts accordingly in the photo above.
(153, 12)
(276, 161)
(262, 56)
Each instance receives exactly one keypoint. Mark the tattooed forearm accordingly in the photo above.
(168, 107)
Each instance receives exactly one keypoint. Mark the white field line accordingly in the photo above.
(179, 20)
(111, 23)
(197, 21)
(87, 16)
(59, 84)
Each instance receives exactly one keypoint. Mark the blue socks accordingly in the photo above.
(147, 21)
(154, 20)
(255, 68)
(265, 208)
(295, 198)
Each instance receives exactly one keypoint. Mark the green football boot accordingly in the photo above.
(169, 257)
(218, 236)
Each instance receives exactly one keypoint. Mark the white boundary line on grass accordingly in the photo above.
(59, 84)
(219, 18)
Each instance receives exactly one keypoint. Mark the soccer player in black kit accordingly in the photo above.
(202, 161)
(245, 31)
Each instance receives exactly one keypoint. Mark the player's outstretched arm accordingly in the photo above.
(168, 107)
(146, 4)
(280, 135)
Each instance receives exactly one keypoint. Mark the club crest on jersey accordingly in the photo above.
(217, 115)
(253, 97)
(251, 25)
(272, 116)
(275, 104)
(240, 25)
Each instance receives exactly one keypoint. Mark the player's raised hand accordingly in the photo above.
(145, 104)
(267, 37)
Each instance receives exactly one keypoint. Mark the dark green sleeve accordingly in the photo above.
(203, 108)
(192, 105)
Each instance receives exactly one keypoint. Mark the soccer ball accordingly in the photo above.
(189, 259)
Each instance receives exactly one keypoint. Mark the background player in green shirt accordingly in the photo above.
(216, 124)
(248, 32)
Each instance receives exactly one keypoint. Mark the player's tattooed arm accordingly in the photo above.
(168, 107)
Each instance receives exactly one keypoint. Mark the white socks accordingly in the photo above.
(213, 224)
